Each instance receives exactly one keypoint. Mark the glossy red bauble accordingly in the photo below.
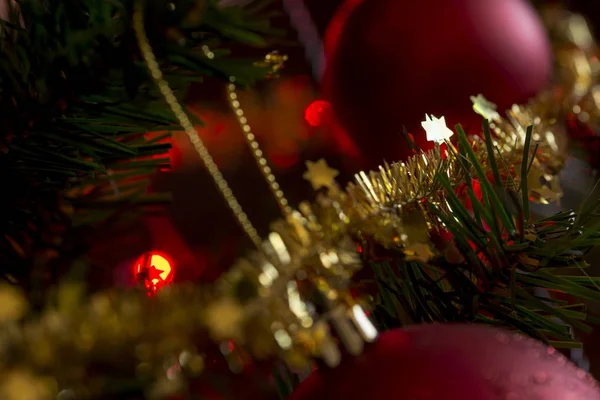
(389, 62)
(452, 362)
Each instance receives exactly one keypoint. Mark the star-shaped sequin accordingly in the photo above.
(485, 108)
(436, 129)
(320, 175)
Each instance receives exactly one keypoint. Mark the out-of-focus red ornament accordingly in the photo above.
(154, 270)
(316, 113)
(452, 362)
(389, 62)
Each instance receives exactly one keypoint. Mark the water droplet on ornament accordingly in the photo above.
(534, 353)
(503, 338)
(551, 351)
(562, 360)
(540, 377)
(518, 337)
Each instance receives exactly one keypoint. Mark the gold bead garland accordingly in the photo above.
(285, 252)
(257, 153)
(274, 62)
(188, 127)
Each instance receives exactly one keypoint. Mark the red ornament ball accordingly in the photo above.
(389, 62)
(452, 362)
(316, 113)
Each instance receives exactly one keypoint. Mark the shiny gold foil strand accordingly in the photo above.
(509, 132)
(579, 60)
(156, 333)
(387, 204)
(289, 261)
(190, 131)
(576, 91)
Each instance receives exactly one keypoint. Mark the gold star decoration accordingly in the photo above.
(320, 175)
(274, 61)
(485, 108)
(436, 129)
(418, 252)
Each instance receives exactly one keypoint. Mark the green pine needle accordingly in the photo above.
(502, 264)
(76, 104)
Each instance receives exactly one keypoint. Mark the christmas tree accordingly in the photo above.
(78, 105)
(90, 90)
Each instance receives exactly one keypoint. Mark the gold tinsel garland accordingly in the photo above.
(290, 299)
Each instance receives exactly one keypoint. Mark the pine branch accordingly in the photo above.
(76, 103)
(501, 258)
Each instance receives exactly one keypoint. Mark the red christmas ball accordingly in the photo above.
(452, 362)
(389, 62)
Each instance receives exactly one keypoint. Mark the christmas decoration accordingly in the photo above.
(383, 74)
(452, 362)
(317, 113)
(447, 234)
(308, 261)
(320, 175)
(75, 157)
(436, 129)
(154, 270)
(575, 95)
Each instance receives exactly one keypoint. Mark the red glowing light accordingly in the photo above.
(154, 269)
(316, 113)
